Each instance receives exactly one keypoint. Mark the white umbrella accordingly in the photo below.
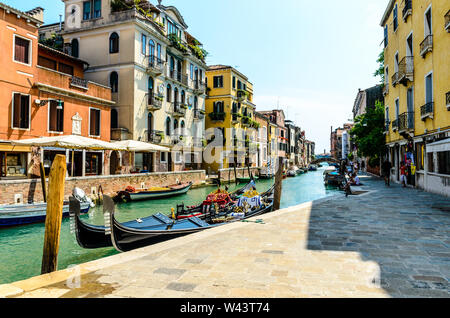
(139, 146)
(70, 142)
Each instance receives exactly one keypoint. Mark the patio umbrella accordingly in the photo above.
(139, 146)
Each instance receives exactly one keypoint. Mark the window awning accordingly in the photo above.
(439, 146)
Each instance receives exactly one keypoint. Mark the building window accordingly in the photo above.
(429, 89)
(385, 36)
(56, 116)
(114, 82)
(168, 126)
(427, 21)
(395, 18)
(75, 48)
(94, 122)
(65, 68)
(22, 50)
(114, 43)
(114, 119)
(169, 93)
(218, 81)
(218, 107)
(47, 63)
(144, 44)
(93, 163)
(163, 157)
(443, 162)
(151, 46)
(191, 69)
(92, 9)
(234, 82)
(158, 50)
(21, 111)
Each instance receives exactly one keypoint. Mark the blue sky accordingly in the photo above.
(308, 58)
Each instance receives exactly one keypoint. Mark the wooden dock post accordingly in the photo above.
(43, 184)
(235, 175)
(53, 218)
(278, 185)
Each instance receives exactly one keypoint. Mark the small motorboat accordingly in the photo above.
(332, 177)
(247, 179)
(132, 194)
(312, 168)
(22, 214)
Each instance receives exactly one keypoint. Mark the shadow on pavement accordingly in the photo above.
(405, 231)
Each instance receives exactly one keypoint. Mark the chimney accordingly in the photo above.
(37, 13)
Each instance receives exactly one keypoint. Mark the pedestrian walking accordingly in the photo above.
(386, 167)
(403, 174)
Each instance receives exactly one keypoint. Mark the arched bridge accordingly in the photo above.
(324, 159)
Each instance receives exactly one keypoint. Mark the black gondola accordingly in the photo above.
(93, 236)
(140, 233)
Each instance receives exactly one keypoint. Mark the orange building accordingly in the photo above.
(43, 93)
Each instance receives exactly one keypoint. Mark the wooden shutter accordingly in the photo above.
(16, 110)
(21, 51)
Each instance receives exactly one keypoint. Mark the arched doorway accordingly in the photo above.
(114, 163)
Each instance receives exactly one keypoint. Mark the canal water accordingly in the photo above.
(21, 247)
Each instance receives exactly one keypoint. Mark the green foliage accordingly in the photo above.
(368, 132)
(176, 42)
(380, 70)
(54, 41)
(198, 52)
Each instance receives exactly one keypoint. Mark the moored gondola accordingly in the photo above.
(132, 194)
(140, 233)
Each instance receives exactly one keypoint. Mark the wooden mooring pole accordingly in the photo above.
(278, 185)
(43, 184)
(55, 201)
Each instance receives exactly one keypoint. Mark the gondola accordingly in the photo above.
(132, 194)
(247, 179)
(92, 236)
(24, 214)
(140, 233)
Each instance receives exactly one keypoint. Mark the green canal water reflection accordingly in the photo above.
(22, 246)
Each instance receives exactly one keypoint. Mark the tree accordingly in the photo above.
(368, 132)
(380, 70)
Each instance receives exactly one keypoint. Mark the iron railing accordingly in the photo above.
(395, 78)
(406, 121)
(155, 136)
(406, 69)
(155, 64)
(447, 21)
(199, 87)
(79, 82)
(386, 89)
(426, 45)
(178, 76)
(407, 9)
(395, 124)
(427, 110)
(154, 101)
(178, 110)
(217, 116)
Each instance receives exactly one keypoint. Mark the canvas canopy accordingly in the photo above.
(70, 142)
(439, 146)
(139, 146)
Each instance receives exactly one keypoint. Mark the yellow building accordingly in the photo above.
(417, 89)
(229, 107)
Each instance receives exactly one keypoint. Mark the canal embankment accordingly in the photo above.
(388, 242)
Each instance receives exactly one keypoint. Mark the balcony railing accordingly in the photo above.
(178, 109)
(447, 21)
(407, 9)
(406, 121)
(199, 87)
(199, 114)
(241, 94)
(155, 136)
(427, 110)
(235, 117)
(154, 65)
(406, 70)
(426, 45)
(217, 116)
(447, 100)
(395, 78)
(394, 124)
(154, 102)
(386, 89)
(386, 126)
(178, 76)
(79, 82)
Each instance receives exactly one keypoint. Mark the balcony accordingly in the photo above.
(241, 94)
(426, 45)
(395, 78)
(199, 87)
(217, 116)
(155, 136)
(235, 118)
(177, 139)
(406, 122)
(427, 110)
(178, 76)
(154, 102)
(447, 21)
(246, 121)
(406, 70)
(407, 9)
(154, 65)
(395, 125)
(199, 114)
(79, 82)
(447, 100)
(178, 110)
(386, 89)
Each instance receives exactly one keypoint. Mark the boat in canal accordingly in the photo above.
(312, 168)
(23, 214)
(97, 236)
(158, 228)
(332, 177)
(247, 179)
(131, 194)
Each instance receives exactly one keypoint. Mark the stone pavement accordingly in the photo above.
(388, 242)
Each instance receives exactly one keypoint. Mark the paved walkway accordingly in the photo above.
(388, 242)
